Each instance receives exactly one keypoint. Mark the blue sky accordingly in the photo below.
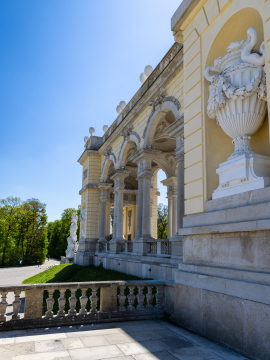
(64, 66)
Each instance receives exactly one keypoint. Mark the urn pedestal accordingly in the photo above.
(243, 173)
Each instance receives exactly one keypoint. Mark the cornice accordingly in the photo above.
(87, 153)
(88, 186)
(162, 81)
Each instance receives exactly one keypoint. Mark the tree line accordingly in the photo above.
(26, 235)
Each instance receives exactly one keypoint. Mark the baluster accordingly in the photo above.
(72, 303)
(3, 306)
(149, 297)
(94, 300)
(50, 302)
(122, 299)
(159, 298)
(83, 301)
(16, 305)
(61, 303)
(131, 298)
(140, 298)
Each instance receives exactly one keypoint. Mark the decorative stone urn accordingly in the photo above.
(238, 102)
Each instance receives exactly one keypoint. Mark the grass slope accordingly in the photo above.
(77, 273)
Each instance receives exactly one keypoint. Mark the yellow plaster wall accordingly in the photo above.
(176, 88)
(92, 213)
(90, 197)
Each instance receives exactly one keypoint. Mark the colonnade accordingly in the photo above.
(144, 199)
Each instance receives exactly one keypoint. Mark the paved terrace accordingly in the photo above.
(139, 340)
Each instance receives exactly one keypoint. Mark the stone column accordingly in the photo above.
(151, 213)
(146, 224)
(176, 131)
(119, 185)
(143, 158)
(102, 221)
(170, 215)
(103, 205)
(139, 208)
(174, 215)
(120, 209)
(171, 184)
(176, 240)
(115, 215)
(180, 190)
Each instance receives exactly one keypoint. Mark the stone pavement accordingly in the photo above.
(133, 340)
(16, 275)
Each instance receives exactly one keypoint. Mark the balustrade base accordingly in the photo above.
(67, 320)
(176, 247)
(140, 246)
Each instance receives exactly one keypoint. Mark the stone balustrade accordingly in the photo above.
(78, 303)
(160, 247)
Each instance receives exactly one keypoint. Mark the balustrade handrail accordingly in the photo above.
(79, 285)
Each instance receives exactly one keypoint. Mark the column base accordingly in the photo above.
(140, 245)
(243, 173)
(176, 247)
(114, 246)
(86, 251)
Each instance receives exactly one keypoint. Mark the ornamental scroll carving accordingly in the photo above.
(108, 152)
(129, 131)
(126, 137)
(161, 98)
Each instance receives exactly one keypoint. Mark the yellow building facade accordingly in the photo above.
(202, 117)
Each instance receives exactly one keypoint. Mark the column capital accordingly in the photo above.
(171, 184)
(119, 178)
(104, 194)
(145, 174)
(154, 191)
(104, 185)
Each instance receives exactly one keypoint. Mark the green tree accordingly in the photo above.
(22, 231)
(58, 232)
(162, 221)
(10, 209)
(33, 231)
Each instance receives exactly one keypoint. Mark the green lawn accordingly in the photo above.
(77, 273)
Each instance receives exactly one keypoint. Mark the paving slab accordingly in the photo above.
(72, 343)
(138, 340)
(95, 353)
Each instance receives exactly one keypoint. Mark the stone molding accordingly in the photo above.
(161, 98)
(87, 153)
(88, 186)
(128, 135)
